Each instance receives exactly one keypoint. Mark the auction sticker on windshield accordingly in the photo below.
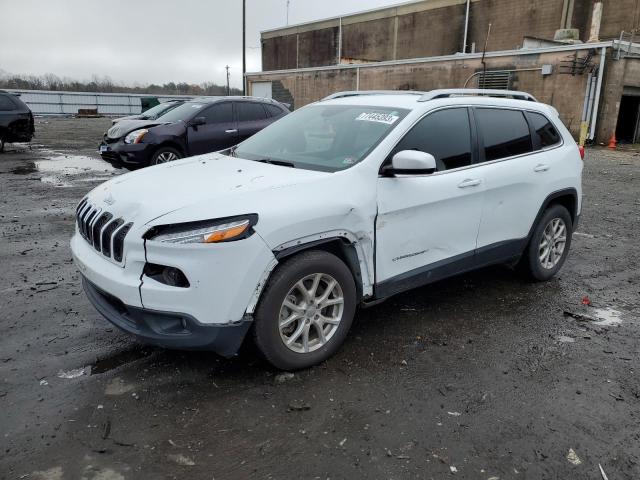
(378, 117)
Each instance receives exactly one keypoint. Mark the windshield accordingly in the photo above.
(322, 137)
(155, 112)
(184, 112)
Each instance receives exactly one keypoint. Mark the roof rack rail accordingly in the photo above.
(477, 92)
(355, 93)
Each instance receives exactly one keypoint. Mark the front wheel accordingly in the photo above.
(306, 310)
(164, 155)
(549, 244)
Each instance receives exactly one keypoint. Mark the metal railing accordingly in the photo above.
(46, 102)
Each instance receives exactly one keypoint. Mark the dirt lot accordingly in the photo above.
(479, 377)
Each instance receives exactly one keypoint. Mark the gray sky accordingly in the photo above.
(148, 40)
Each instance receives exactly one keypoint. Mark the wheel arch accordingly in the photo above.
(172, 144)
(342, 244)
(338, 246)
(567, 197)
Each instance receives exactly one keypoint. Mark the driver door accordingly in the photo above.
(427, 225)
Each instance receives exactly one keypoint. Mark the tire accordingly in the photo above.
(539, 263)
(165, 155)
(1, 145)
(313, 267)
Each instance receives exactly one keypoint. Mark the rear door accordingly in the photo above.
(518, 168)
(252, 117)
(219, 132)
(427, 224)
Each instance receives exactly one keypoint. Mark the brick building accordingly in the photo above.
(578, 55)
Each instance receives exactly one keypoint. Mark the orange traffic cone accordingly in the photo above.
(613, 142)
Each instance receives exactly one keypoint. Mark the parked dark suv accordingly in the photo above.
(195, 127)
(16, 120)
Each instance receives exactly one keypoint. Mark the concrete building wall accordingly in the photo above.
(565, 92)
(431, 33)
(511, 20)
(618, 74)
(436, 28)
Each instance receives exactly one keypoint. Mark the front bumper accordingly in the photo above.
(167, 329)
(120, 154)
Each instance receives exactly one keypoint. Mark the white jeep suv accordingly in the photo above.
(342, 203)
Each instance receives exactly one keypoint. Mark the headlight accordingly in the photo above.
(135, 136)
(208, 231)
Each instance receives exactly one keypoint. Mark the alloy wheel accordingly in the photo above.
(165, 157)
(554, 239)
(311, 313)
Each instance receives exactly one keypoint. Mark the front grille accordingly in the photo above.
(105, 233)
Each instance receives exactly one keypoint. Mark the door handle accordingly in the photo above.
(233, 130)
(469, 182)
(541, 167)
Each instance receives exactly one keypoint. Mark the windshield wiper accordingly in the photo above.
(270, 161)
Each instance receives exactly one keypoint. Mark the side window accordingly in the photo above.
(250, 112)
(219, 113)
(505, 133)
(274, 111)
(545, 134)
(6, 104)
(445, 134)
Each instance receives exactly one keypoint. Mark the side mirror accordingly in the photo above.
(411, 162)
(198, 121)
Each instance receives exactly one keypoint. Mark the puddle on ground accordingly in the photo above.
(62, 170)
(607, 316)
(24, 169)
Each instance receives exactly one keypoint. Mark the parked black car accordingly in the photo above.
(195, 127)
(16, 120)
(153, 113)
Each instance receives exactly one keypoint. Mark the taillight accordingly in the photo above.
(581, 150)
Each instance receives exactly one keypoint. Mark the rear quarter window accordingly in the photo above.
(7, 104)
(273, 110)
(545, 134)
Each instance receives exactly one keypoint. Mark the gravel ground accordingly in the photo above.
(482, 376)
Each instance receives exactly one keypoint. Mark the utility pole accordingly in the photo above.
(288, 2)
(244, 47)
(228, 91)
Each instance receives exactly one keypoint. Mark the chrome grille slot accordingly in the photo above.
(101, 230)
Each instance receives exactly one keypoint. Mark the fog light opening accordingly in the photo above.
(174, 277)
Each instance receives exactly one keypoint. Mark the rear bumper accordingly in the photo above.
(124, 155)
(167, 329)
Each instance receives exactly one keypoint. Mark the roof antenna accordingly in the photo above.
(484, 65)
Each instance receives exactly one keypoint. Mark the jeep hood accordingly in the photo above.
(202, 187)
(125, 126)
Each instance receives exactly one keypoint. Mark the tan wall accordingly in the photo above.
(564, 92)
(369, 41)
(431, 33)
(436, 27)
(511, 20)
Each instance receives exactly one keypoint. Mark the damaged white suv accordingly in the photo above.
(343, 203)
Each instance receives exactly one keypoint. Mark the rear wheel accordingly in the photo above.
(165, 155)
(549, 244)
(306, 310)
